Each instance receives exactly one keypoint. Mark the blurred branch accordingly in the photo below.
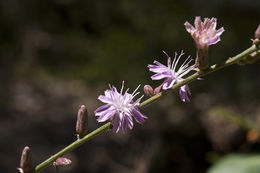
(106, 126)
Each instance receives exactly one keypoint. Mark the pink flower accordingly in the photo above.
(172, 75)
(120, 107)
(204, 33)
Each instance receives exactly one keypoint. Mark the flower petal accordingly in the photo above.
(138, 116)
(101, 109)
(117, 123)
(127, 123)
(168, 83)
(158, 76)
(204, 33)
(105, 99)
(184, 91)
(106, 115)
(189, 28)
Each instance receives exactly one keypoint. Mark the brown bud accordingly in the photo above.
(148, 90)
(26, 165)
(82, 122)
(62, 162)
(257, 32)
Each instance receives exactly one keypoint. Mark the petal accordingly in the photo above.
(159, 64)
(184, 91)
(187, 88)
(126, 123)
(130, 120)
(101, 109)
(157, 69)
(108, 93)
(106, 115)
(198, 23)
(189, 28)
(117, 123)
(168, 83)
(220, 31)
(213, 40)
(105, 99)
(138, 116)
(158, 76)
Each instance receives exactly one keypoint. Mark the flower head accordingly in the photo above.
(204, 33)
(171, 74)
(120, 107)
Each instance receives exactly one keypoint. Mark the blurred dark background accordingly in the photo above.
(59, 54)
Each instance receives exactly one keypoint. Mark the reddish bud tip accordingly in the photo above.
(62, 162)
(82, 121)
(158, 89)
(26, 165)
(148, 90)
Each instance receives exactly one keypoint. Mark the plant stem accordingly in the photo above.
(106, 126)
(72, 146)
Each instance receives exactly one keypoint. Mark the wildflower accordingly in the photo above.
(172, 75)
(120, 108)
(204, 35)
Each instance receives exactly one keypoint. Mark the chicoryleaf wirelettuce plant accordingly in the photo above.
(120, 109)
(204, 35)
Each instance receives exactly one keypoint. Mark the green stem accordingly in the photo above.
(72, 146)
(106, 126)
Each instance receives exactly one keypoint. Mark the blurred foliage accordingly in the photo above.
(237, 163)
(58, 54)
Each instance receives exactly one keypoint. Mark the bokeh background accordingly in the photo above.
(58, 54)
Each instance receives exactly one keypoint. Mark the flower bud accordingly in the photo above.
(148, 90)
(26, 165)
(158, 89)
(82, 122)
(257, 32)
(204, 34)
(62, 162)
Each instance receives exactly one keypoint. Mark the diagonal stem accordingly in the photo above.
(72, 146)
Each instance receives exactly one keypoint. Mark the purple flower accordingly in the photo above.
(204, 33)
(172, 75)
(120, 108)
